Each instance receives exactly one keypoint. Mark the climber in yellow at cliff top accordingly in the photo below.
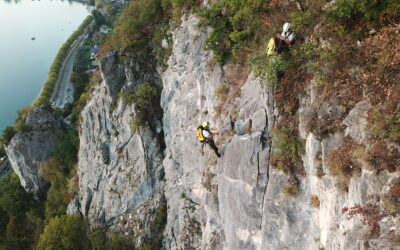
(281, 43)
(204, 135)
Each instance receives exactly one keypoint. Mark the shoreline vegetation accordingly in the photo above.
(55, 68)
(48, 87)
(28, 222)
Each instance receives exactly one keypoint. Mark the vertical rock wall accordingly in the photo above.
(120, 171)
(232, 202)
(213, 203)
(28, 150)
(236, 201)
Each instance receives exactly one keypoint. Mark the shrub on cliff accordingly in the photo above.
(8, 133)
(2, 150)
(236, 26)
(147, 106)
(352, 12)
(135, 27)
(176, 8)
(290, 190)
(391, 200)
(58, 169)
(20, 123)
(385, 124)
(57, 200)
(287, 150)
(66, 151)
(80, 81)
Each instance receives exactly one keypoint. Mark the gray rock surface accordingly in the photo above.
(356, 122)
(28, 150)
(232, 202)
(238, 199)
(119, 170)
(243, 127)
(227, 193)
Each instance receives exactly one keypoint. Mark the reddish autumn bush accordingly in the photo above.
(342, 163)
(382, 158)
(391, 200)
(371, 213)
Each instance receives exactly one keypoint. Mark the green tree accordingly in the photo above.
(13, 198)
(236, 26)
(56, 203)
(66, 151)
(145, 95)
(146, 100)
(119, 242)
(65, 232)
(17, 231)
(135, 26)
(8, 133)
(80, 82)
(98, 238)
(98, 19)
(2, 150)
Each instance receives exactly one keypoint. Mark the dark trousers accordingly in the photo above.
(281, 45)
(213, 146)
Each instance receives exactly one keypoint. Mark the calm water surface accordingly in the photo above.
(24, 63)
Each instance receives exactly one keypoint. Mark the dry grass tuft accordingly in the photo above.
(290, 190)
(314, 201)
(341, 163)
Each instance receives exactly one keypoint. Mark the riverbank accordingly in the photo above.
(32, 58)
(56, 67)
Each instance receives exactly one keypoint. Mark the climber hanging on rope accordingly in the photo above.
(204, 135)
(281, 43)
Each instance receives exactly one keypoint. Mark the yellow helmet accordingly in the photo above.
(204, 124)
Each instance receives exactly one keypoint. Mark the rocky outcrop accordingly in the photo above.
(136, 180)
(28, 150)
(236, 201)
(120, 171)
(221, 200)
(232, 202)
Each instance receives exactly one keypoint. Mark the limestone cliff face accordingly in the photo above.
(28, 150)
(127, 178)
(213, 203)
(236, 201)
(120, 171)
(232, 202)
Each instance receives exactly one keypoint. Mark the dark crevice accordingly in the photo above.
(268, 142)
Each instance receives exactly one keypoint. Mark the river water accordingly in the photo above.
(31, 32)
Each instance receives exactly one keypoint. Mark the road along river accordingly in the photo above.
(31, 32)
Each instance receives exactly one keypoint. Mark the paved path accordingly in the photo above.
(64, 90)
